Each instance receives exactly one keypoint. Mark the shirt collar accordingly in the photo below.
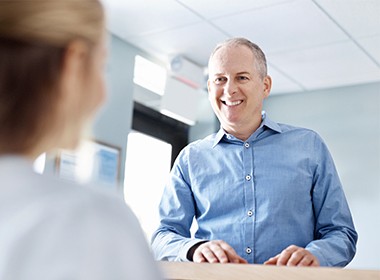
(270, 124)
(265, 122)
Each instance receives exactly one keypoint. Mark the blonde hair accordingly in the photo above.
(52, 22)
(34, 35)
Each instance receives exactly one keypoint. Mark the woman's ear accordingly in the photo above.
(73, 67)
(267, 82)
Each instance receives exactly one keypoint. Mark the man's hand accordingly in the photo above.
(216, 251)
(294, 256)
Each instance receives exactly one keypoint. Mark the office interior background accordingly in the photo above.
(323, 57)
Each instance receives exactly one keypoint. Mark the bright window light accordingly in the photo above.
(39, 163)
(147, 169)
(149, 75)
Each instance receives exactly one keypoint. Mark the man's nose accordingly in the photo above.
(230, 88)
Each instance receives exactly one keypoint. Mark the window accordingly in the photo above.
(149, 75)
(146, 170)
(39, 163)
(153, 145)
(155, 124)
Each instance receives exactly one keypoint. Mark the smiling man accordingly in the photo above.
(261, 192)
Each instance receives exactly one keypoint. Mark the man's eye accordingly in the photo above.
(242, 78)
(219, 80)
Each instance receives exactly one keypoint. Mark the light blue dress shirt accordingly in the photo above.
(278, 188)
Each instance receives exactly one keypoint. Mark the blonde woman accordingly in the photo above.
(52, 54)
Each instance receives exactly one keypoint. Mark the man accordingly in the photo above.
(261, 192)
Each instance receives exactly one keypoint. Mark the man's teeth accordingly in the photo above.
(233, 103)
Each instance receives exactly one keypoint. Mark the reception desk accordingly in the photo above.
(206, 271)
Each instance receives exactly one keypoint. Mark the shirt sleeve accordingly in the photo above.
(335, 236)
(172, 240)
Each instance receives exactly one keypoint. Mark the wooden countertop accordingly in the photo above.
(206, 271)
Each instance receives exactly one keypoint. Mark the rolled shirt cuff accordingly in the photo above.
(182, 256)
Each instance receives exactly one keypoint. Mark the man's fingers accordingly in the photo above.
(298, 257)
(315, 262)
(198, 258)
(285, 255)
(232, 256)
(309, 260)
(272, 261)
(220, 253)
(235, 258)
(302, 257)
(207, 254)
(216, 251)
(306, 260)
(294, 256)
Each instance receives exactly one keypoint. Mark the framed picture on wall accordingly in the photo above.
(93, 161)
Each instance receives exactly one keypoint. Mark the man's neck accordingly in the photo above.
(243, 132)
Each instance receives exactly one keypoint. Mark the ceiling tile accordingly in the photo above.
(295, 25)
(328, 66)
(195, 42)
(136, 18)
(304, 45)
(358, 18)
(280, 83)
(372, 46)
(215, 8)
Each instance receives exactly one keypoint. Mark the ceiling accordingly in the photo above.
(310, 44)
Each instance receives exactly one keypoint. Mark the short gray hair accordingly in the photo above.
(260, 60)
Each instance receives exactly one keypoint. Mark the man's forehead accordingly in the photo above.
(231, 59)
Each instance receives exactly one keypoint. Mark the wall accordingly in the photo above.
(348, 119)
(206, 123)
(113, 123)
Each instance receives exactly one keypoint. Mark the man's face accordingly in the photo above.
(236, 90)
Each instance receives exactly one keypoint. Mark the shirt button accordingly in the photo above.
(248, 250)
(246, 144)
(250, 213)
(248, 177)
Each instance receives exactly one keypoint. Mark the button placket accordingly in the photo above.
(249, 200)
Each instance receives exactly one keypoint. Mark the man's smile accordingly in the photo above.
(232, 103)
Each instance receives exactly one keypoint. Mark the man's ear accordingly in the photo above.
(267, 81)
(208, 88)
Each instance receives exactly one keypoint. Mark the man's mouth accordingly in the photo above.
(232, 103)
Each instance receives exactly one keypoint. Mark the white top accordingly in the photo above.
(51, 229)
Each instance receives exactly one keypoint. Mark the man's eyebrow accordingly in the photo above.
(239, 73)
(243, 73)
